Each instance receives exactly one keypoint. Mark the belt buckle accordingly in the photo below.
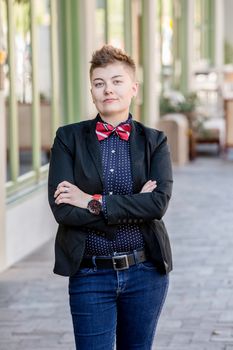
(116, 259)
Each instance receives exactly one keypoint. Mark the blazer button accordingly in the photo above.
(119, 221)
(124, 221)
(130, 221)
(135, 221)
(140, 220)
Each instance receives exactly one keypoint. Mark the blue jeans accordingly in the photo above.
(124, 304)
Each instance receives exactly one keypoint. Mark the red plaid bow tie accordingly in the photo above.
(104, 130)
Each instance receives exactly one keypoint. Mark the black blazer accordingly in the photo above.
(76, 157)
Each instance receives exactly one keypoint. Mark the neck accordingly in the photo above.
(114, 120)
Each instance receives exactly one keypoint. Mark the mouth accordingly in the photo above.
(110, 100)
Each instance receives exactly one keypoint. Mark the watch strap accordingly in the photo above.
(97, 197)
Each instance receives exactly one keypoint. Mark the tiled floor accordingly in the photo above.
(198, 314)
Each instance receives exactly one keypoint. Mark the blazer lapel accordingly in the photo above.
(138, 154)
(93, 147)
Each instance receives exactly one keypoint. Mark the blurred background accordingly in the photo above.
(184, 53)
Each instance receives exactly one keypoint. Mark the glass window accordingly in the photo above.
(4, 62)
(23, 74)
(43, 23)
(3, 43)
(30, 92)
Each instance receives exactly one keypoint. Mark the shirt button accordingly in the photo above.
(113, 151)
(111, 192)
(112, 170)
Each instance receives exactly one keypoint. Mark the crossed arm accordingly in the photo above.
(68, 193)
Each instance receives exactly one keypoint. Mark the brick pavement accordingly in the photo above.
(198, 313)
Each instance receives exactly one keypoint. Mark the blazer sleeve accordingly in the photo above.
(60, 169)
(142, 207)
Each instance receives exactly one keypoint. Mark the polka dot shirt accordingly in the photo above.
(117, 178)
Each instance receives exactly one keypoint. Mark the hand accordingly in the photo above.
(70, 194)
(149, 186)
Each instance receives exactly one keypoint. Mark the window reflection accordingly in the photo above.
(4, 51)
(23, 52)
(23, 72)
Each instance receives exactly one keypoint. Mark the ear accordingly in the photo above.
(92, 96)
(135, 88)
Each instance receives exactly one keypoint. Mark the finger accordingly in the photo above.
(152, 188)
(153, 184)
(149, 186)
(63, 195)
(64, 184)
(150, 183)
(61, 189)
(60, 200)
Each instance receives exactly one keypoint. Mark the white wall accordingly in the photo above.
(29, 224)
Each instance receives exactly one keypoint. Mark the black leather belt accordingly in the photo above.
(120, 261)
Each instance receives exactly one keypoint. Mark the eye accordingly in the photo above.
(98, 85)
(117, 82)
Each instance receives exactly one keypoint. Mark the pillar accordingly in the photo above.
(190, 47)
(86, 10)
(181, 38)
(150, 63)
(219, 34)
(2, 170)
(77, 33)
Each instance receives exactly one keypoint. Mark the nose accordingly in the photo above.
(108, 89)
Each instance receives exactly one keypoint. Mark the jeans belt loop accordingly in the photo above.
(135, 254)
(94, 262)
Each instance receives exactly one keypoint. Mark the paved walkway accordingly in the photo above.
(198, 314)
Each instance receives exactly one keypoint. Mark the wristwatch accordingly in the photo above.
(95, 204)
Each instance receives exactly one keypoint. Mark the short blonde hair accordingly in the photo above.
(109, 54)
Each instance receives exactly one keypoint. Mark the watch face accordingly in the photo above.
(94, 207)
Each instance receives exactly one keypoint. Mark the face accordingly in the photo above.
(112, 88)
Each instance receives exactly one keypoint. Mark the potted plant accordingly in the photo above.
(176, 102)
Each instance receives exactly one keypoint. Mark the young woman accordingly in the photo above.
(110, 182)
